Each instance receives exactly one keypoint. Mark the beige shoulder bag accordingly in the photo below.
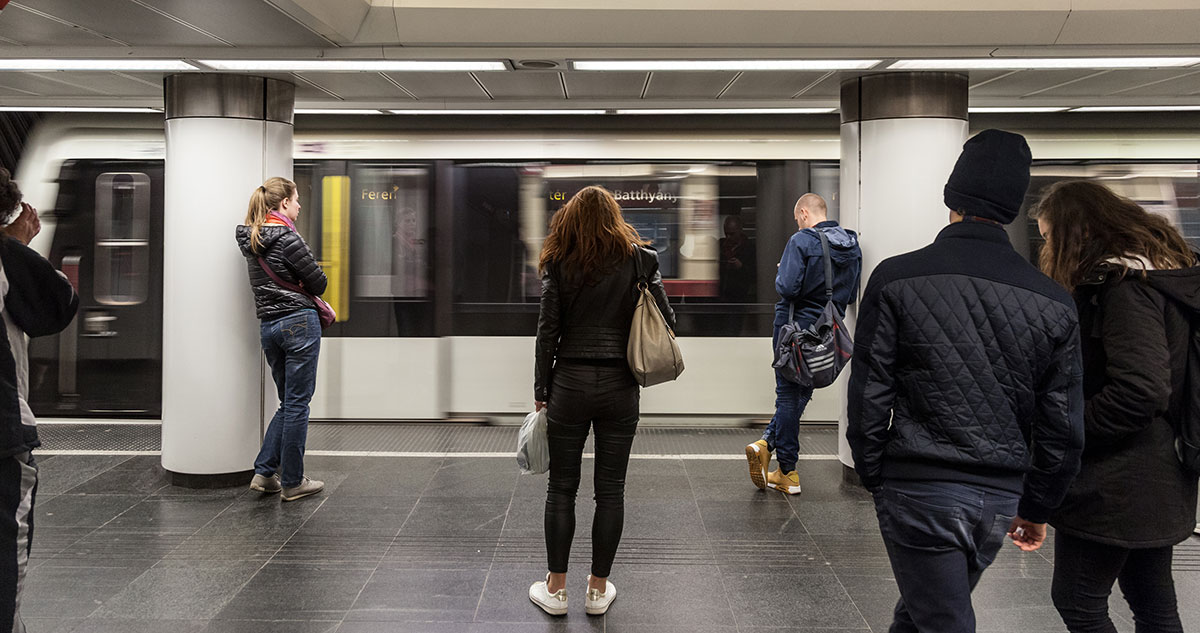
(652, 353)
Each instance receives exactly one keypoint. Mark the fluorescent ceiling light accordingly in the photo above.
(336, 111)
(1028, 63)
(351, 65)
(1014, 109)
(1164, 108)
(728, 64)
(147, 65)
(74, 109)
(492, 112)
(729, 111)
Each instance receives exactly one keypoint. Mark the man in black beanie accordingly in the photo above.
(966, 400)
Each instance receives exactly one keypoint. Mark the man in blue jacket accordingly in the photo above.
(966, 399)
(801, 286)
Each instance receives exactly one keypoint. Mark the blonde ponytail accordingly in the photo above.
(265, 199)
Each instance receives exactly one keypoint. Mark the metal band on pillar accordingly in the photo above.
(229, 97)
(225, 135)
(900, 135)
(904, 96)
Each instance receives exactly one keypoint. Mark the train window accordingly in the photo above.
(1169, 189)
(701, 217)
(122, 272)
(368, 223)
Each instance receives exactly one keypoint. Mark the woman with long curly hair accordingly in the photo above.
(582, 377)
(1137, 286)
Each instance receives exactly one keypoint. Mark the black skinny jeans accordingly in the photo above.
(1084, 572)
(582, 395)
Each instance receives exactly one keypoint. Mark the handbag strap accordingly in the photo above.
(284, 284)
(640, 280)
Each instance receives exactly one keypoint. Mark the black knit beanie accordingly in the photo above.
(991, 176)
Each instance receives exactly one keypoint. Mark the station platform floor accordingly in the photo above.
(430, 528)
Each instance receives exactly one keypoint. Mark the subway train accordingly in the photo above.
(430, 240)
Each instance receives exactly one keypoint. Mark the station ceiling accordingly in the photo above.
(539, 40)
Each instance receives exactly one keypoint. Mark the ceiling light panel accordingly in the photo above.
(351, 65)
(1015, 109)
(1022, 63)
(336, 111)
(1155, 108)
(728, 111)
(726, 64)
(74, 109)
(494, 112)
(146, 65)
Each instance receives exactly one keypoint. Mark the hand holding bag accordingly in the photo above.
(533, 444)
(324, 311)
(652, 352)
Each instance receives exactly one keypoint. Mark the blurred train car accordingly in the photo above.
(430, 240)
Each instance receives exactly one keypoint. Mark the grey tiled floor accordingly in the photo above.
(448, 544)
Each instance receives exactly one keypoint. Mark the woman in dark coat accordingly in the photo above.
(582, 378)
(1137, 285)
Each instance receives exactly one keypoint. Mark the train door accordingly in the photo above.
(108, 240)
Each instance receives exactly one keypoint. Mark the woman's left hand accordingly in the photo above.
(538, 405)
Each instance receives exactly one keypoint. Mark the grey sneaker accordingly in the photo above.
(307, 487)
(265, 484)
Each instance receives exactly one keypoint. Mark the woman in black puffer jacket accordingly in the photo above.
(291, 331)
(1137, 285)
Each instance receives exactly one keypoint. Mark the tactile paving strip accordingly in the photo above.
(431, 437)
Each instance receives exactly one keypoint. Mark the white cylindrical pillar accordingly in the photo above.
(901, 134)
(225, 135)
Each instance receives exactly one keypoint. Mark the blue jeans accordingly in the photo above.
(291, 345)
(783, 433)
(940, 536)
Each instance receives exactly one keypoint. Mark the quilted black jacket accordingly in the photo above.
(1131, 490)
(591, 321)
(291, 259)
(966, 368)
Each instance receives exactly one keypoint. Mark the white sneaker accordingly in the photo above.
(1197, 530)
(597, 603)
(552, 603)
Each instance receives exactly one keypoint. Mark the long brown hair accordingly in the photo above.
(265, 199)
(588, 235)
(1090, 224)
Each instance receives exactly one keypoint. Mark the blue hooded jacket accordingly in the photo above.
(801, 277)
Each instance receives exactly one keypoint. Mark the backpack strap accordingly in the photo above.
(828, 264)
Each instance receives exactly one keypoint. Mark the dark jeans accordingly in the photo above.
(1084, 572)
(605, 398)
(291, 345)
(940, 536)
(783, 433)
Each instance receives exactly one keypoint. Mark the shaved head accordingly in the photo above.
(809, 211)
(814, 203)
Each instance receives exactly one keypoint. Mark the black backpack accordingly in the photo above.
(814, 356)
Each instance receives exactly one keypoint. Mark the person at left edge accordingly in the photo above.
(36, 300)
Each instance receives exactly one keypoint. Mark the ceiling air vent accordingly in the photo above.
(537, 64)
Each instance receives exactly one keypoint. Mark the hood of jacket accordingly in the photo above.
(268, 235)
(843, 245)
(1181, 286)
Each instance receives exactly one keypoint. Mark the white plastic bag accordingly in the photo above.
(533, 447)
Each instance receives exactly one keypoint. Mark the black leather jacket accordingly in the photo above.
(290, 258)
(591, 321)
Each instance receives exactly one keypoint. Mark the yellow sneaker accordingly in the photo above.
(788, 483)
(759, 458)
